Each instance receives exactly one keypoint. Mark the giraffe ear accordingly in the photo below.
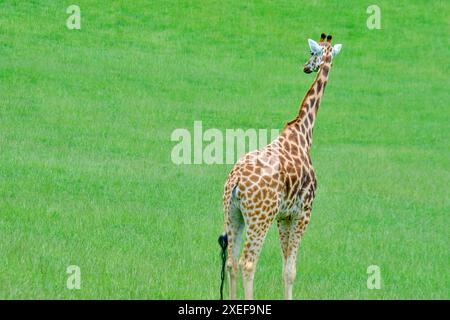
(336, 49)
(314, 46)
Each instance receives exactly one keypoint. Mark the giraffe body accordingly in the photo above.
(276, 183)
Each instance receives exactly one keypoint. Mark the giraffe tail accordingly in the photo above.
(223, 242)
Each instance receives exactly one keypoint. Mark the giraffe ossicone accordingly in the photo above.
(277, 182)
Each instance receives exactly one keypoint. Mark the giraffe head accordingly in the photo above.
(319, 51)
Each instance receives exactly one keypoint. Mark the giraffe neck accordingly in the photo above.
(304, 122)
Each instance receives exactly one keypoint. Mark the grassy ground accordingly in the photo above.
(86, 117)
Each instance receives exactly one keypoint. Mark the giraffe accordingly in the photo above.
(278, 183)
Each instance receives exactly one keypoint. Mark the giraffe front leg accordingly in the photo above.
(297, 229)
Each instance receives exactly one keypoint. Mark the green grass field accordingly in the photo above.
(86, 116)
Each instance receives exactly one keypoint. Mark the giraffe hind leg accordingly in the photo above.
(256, 231)
(235, 228)
(284, 226)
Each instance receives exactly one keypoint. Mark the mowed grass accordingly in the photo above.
(86, 117)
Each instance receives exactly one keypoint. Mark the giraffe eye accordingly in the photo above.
(312, 53)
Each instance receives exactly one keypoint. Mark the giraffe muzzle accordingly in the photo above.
(307, 70)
